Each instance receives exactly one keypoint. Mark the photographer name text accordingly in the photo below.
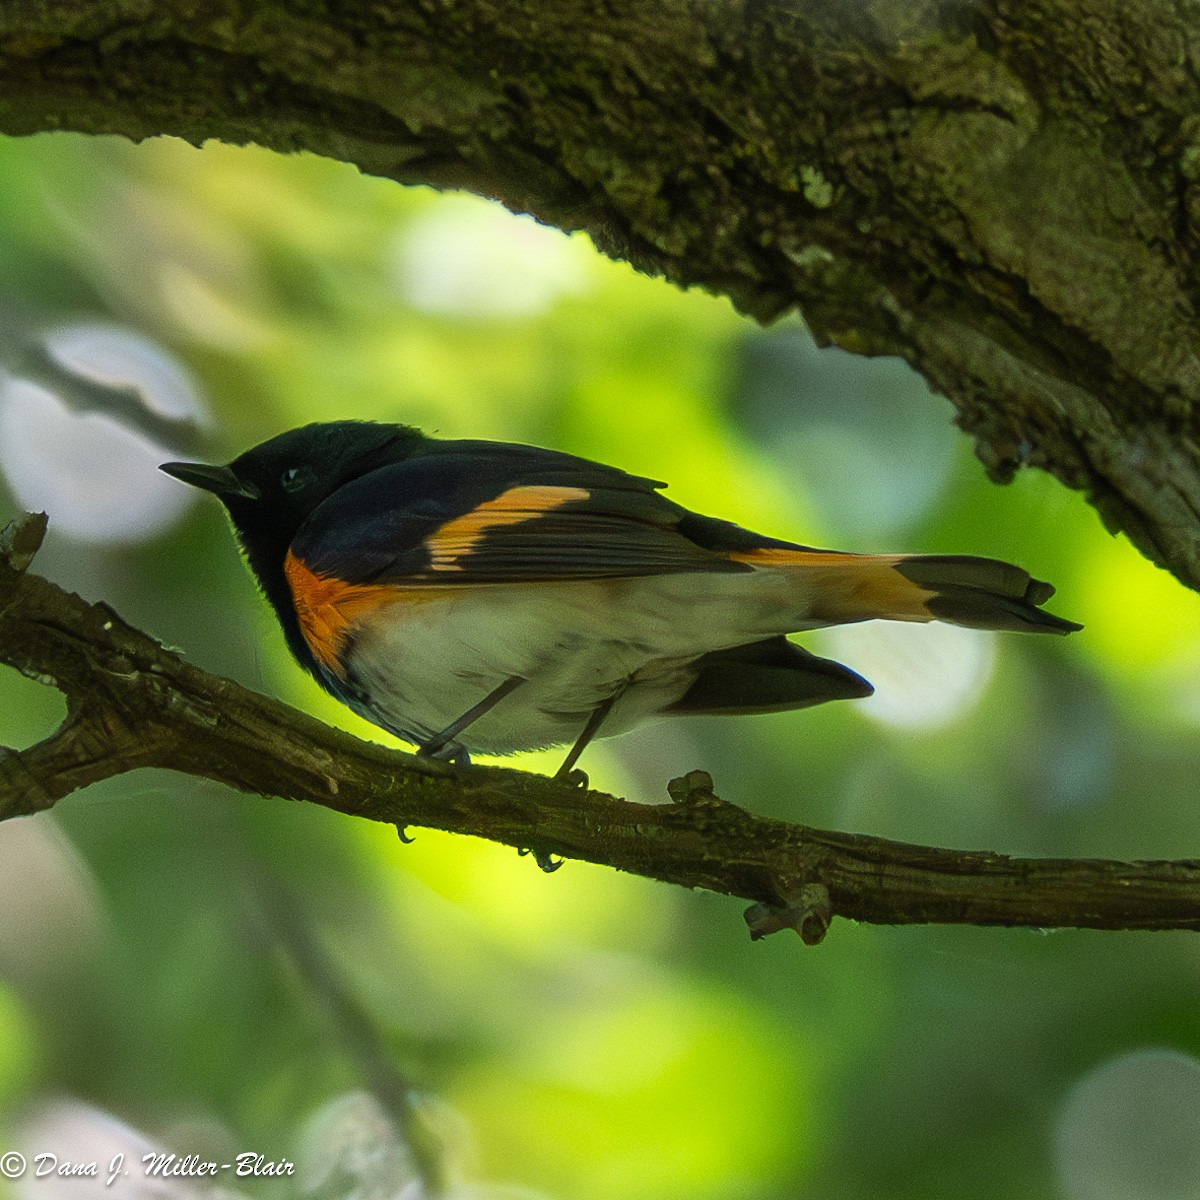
(165, 1166)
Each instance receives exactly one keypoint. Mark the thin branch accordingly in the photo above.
(26, 353)
(398, 1097)
(131, 703)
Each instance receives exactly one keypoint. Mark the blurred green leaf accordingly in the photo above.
(601, 1035)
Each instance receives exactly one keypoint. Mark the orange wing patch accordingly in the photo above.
(329, 608)
(457, 538)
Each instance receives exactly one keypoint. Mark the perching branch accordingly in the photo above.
(131, 703)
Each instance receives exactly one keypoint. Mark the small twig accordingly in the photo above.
(397, 1095)
(133, 704)
(32, 359)
(21, 540)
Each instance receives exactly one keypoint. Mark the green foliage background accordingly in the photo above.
(594, 1035)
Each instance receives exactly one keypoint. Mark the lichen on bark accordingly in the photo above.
(1004, 194)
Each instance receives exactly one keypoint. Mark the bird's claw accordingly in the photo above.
(574, 778)
(446, 752)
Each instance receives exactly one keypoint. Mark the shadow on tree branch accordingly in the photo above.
(131, 703)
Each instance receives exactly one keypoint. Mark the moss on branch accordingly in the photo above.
(131, 703)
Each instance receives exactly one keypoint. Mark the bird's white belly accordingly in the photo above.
(424, 663)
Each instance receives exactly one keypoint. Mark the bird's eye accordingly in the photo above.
(292, 480)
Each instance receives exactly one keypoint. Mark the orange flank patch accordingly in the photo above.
(456, 539)
(848, 587)
(329, 608)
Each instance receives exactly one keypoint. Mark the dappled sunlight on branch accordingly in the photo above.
(133, 704)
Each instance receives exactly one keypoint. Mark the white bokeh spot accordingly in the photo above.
(464, 258)
(1130, 1130)
(109, 355)
(924, 675)
(96, 477)
(74, 1132)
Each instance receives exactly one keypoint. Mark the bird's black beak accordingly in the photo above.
(220, 480)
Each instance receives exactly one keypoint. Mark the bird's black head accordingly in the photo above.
(272, 488)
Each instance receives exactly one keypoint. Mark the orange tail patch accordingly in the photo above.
(979, 593)
(849, 587)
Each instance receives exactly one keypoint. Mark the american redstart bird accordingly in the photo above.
(493, 597)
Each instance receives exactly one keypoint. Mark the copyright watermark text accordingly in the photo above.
(14, 1165)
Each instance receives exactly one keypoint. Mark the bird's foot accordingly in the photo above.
(447, 752)
(574, 778)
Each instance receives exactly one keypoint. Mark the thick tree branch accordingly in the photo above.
(131, 703)
(1007, 194)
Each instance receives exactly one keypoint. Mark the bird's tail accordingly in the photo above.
(982, 593)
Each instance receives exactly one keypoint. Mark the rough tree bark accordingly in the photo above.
(1005, 193)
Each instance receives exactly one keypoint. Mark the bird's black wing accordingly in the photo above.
(773, 675)
(487, 512)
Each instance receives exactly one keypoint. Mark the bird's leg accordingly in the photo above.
(440, 740)
(564, 774)
(589, 731)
